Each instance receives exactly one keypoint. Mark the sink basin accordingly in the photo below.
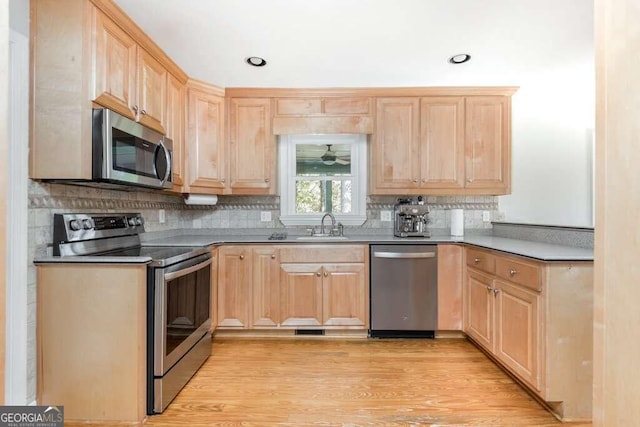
(321, 238)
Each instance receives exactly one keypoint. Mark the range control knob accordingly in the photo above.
(75, 224)
(131, 221)
(87, 224)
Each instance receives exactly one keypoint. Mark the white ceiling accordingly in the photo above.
(354, 43)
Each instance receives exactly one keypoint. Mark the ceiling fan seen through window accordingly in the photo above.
(330, 157)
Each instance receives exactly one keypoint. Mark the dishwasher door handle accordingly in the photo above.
(401, 255)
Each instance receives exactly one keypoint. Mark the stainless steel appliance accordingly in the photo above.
(178, 294)
(126, 152)
(411, 218)
(404, 290)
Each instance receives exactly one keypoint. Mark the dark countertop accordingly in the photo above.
(535, 250)
(530, 249)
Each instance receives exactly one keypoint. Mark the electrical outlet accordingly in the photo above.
(486, 216)
(385, 215)
(265, 216)
(161, 216)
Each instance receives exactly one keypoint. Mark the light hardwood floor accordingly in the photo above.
(296, 382)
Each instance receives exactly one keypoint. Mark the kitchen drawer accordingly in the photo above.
(300, 106)
(481, 260)
(520, 272)
(322, 253)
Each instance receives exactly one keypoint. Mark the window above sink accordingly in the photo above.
(323, 174)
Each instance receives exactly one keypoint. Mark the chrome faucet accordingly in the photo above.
(333, 222)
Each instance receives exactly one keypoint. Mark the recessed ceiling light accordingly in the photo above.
(460, 58)
(256, 61)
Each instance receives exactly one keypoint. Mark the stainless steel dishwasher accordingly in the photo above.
(404, 291)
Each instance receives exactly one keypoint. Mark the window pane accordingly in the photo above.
(308, 197)
(323, 196)
(323, 159)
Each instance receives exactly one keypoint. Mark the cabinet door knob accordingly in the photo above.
(241, 257)
(222, 180)
(496, 291)
(326, 274)
(135, 108)
(512, 272)
(489, 288)
(273, 256)
(470, 180)
(318, 274)
(266, 180)
(415, 181)
(143, 112)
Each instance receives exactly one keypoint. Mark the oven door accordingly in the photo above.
(181, 310)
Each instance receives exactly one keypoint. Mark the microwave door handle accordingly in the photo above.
(167, 156)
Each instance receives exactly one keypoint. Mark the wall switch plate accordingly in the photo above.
(161, 216)
(486, 216)
(385, 215)
(265, 216)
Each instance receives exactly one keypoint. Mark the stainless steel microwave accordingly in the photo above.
(126, 152)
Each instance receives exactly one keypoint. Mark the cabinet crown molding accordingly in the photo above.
(117, 15)
(205, 87)
(255, 92)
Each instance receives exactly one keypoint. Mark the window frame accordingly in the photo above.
(287, 178)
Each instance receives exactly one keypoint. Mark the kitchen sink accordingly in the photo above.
(321, 238)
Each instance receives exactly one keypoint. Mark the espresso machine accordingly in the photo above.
(411, 218)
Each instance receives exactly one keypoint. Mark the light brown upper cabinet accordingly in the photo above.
(175, 126)
(297, 114)
(323, 106)
(205, 145)
(442, 145)
(488, 144)
(442, 142)
(127, 78)
(396, 147)
(252, 147)
(88, 54)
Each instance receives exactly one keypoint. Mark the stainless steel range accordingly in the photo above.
(178, 294)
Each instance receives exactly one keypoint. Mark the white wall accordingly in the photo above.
(544, 46)
(20, 357)
(553, 123)
(19, 16)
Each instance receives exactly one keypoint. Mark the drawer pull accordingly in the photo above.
(476, 260)
(241, 257)
(512, 272)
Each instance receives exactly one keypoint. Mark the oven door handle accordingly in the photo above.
(180, 273)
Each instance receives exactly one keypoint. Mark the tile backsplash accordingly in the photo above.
(235, 212)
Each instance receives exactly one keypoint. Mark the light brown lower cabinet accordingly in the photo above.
(534, 319)
(293, 286)
(234, 286)
(91, 330)
(450, 264)
(300, 295)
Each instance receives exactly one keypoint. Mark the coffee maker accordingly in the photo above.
(411, 218)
